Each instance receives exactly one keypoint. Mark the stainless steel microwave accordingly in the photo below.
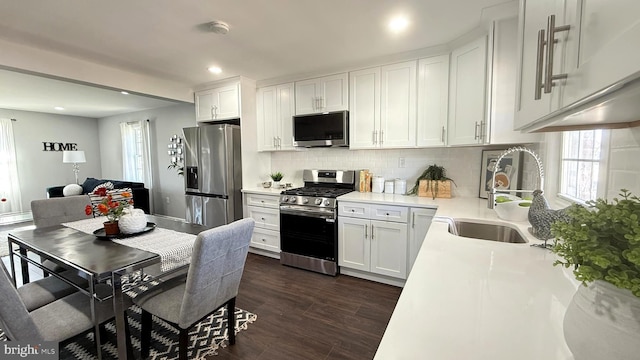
(321, 130)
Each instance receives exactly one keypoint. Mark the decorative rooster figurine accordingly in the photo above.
(541, 216)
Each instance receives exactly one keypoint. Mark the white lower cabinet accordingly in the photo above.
(264, 209)
(373, 246)
(420, 222)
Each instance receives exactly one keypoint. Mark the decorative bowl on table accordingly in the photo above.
(512, 208)
(266, 184)
(133, 221)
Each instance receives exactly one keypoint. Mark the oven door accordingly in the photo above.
(309, 233)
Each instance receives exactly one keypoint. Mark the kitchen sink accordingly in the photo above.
(484, 231)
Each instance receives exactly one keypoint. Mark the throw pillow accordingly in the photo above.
(89, 184)
(116, 195)
(72, 189)
(107, 185)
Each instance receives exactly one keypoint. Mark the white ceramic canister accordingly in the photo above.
(400, 186)
(388, 187)
(377, 184)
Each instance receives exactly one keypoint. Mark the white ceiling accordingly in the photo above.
(168, 39)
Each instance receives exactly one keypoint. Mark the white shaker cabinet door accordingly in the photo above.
(204, 105)
(398, 105)
(389, 249)
(467, 97)
(354, 245)
(285, 111)
(267, 118)
(433, 97)
(364, 108)
(606, 49)
(228, 106)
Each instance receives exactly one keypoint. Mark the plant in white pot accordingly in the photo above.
(276, 177)
(602, 242)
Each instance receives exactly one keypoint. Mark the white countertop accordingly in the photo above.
(476, 299)
(261, 190)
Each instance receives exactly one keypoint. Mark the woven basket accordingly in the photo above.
(444, 188)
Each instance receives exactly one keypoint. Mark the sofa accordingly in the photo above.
(139, 193)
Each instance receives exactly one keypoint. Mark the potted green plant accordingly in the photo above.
(276, 177)
(601, 241)
(433, 182)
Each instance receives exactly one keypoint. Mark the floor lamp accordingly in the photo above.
(75, 158)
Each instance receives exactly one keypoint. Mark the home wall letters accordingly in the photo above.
(58, 146)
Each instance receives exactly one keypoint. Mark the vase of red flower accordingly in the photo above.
(112, 209)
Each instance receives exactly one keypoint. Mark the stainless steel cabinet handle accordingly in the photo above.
(365, 231)
(483, 126)
(274, 142)
(279, 143)
(375, 137)
(551, 40)
(539, 61)
(371, 231)
(475, 136)
(381, 136)
(442, 135)
(413, 220)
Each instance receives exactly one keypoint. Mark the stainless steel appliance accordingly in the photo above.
(308, 220)
(213, 174)
(321, 130)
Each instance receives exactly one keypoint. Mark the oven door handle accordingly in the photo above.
(327, 216)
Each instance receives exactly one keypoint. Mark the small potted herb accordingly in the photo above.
(433, 182)
(276, 177)
(602, 243)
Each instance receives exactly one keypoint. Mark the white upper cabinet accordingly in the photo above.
(325, 94)
(218, 104)
(364, 108)
(398, 105)
(503, 60)
(382, 107)
(605, 51)
(466, 123)
(533, 101)
(275, 106)
(433, 95)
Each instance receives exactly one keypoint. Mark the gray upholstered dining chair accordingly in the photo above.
(41, 292)
(55, 211)
(57, 321)
(212, 282)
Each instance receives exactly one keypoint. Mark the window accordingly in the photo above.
(132, 151)
(10, 198)
(582, 154)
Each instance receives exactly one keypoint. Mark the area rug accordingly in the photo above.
(4, 242)
(204, 338)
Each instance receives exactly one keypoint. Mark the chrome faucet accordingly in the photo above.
(492, 191)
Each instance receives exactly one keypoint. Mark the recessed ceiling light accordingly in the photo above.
(59, 108)
(124, 93)
(398, 24)
(215, 70)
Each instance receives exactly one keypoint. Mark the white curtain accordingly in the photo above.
(136, 154)
(10, 198)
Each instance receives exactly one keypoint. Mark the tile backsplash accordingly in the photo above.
(624, 167)
(462, 164)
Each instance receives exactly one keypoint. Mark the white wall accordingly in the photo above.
(168, 188)
(38, 169)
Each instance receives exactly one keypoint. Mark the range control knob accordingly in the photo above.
(318, 201)
(292, 199)
(327, 202)
(285, 199)
(305, 200)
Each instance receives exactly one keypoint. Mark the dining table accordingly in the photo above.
(107, 263)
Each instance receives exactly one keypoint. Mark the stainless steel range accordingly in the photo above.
(308, 220)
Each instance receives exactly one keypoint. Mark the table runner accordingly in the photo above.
(173, 247)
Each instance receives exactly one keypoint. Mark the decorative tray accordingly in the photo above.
(100, 234)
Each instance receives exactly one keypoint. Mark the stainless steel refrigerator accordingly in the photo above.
(213, 174)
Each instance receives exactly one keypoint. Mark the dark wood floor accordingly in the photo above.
(304, 315)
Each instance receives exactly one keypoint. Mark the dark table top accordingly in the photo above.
(87, 252)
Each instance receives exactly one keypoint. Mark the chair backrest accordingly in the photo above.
(55, 211)
(215, 271)
(14, 317)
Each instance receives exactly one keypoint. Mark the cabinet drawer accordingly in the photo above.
(265, 239)
(389, 213)
(265, 218)
(356, 210)
(270, 201)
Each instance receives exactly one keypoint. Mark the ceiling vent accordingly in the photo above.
(219, 27)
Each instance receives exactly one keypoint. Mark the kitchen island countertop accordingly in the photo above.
(476, 299)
